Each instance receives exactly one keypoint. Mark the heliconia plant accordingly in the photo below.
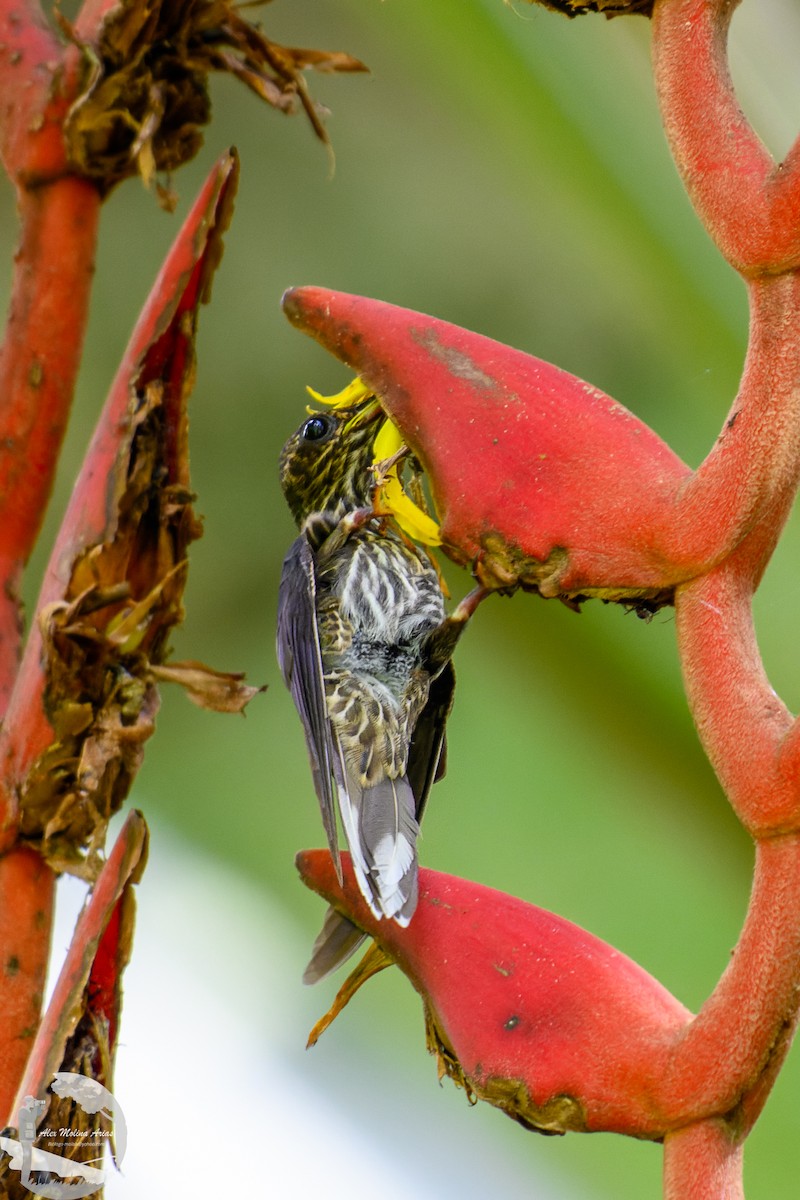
(120, 91)
(542, 482)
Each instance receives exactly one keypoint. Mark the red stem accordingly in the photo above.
(53, 269)
(749, 479)
(742, 723)
(26, 904)
(749, 205)
(38, 364)
(702, 1162)
(741, 1035)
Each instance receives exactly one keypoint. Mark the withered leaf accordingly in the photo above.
(145, 100)
(609, 8)
(326, 62)
(219, 691)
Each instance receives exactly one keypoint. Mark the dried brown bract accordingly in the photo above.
(145, 98)
(124, 598)
(609, 8)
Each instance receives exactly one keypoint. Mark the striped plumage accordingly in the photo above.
(364, 645)
(325, 465)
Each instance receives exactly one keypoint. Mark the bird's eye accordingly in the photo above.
(318, 428)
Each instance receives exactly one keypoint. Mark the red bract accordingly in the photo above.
(539, 478)
(88, 991)
(543, 481)
(527, 1010)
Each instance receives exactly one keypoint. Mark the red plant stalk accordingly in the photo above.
(751, 207)
(703, 1162)
(727, 1058)
(27, 887)
(749, 204)
(38, 363)
(51, 283)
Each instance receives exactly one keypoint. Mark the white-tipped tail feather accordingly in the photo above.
(382, 835)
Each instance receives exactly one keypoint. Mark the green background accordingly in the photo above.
(505, 169)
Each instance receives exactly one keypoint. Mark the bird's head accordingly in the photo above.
(347, 458)
(327, 462)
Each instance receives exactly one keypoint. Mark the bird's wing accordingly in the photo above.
(338, 939)
(427, 755)
(300, 662)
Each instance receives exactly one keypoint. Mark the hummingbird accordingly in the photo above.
(365, 646)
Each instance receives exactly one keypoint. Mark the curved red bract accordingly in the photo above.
(538, 477)
(527, 998)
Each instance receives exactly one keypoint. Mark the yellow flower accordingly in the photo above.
(350, 397)
(391, 497)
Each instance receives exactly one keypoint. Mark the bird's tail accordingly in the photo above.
(382, 834)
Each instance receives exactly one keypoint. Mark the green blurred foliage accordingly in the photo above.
(505, 169)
